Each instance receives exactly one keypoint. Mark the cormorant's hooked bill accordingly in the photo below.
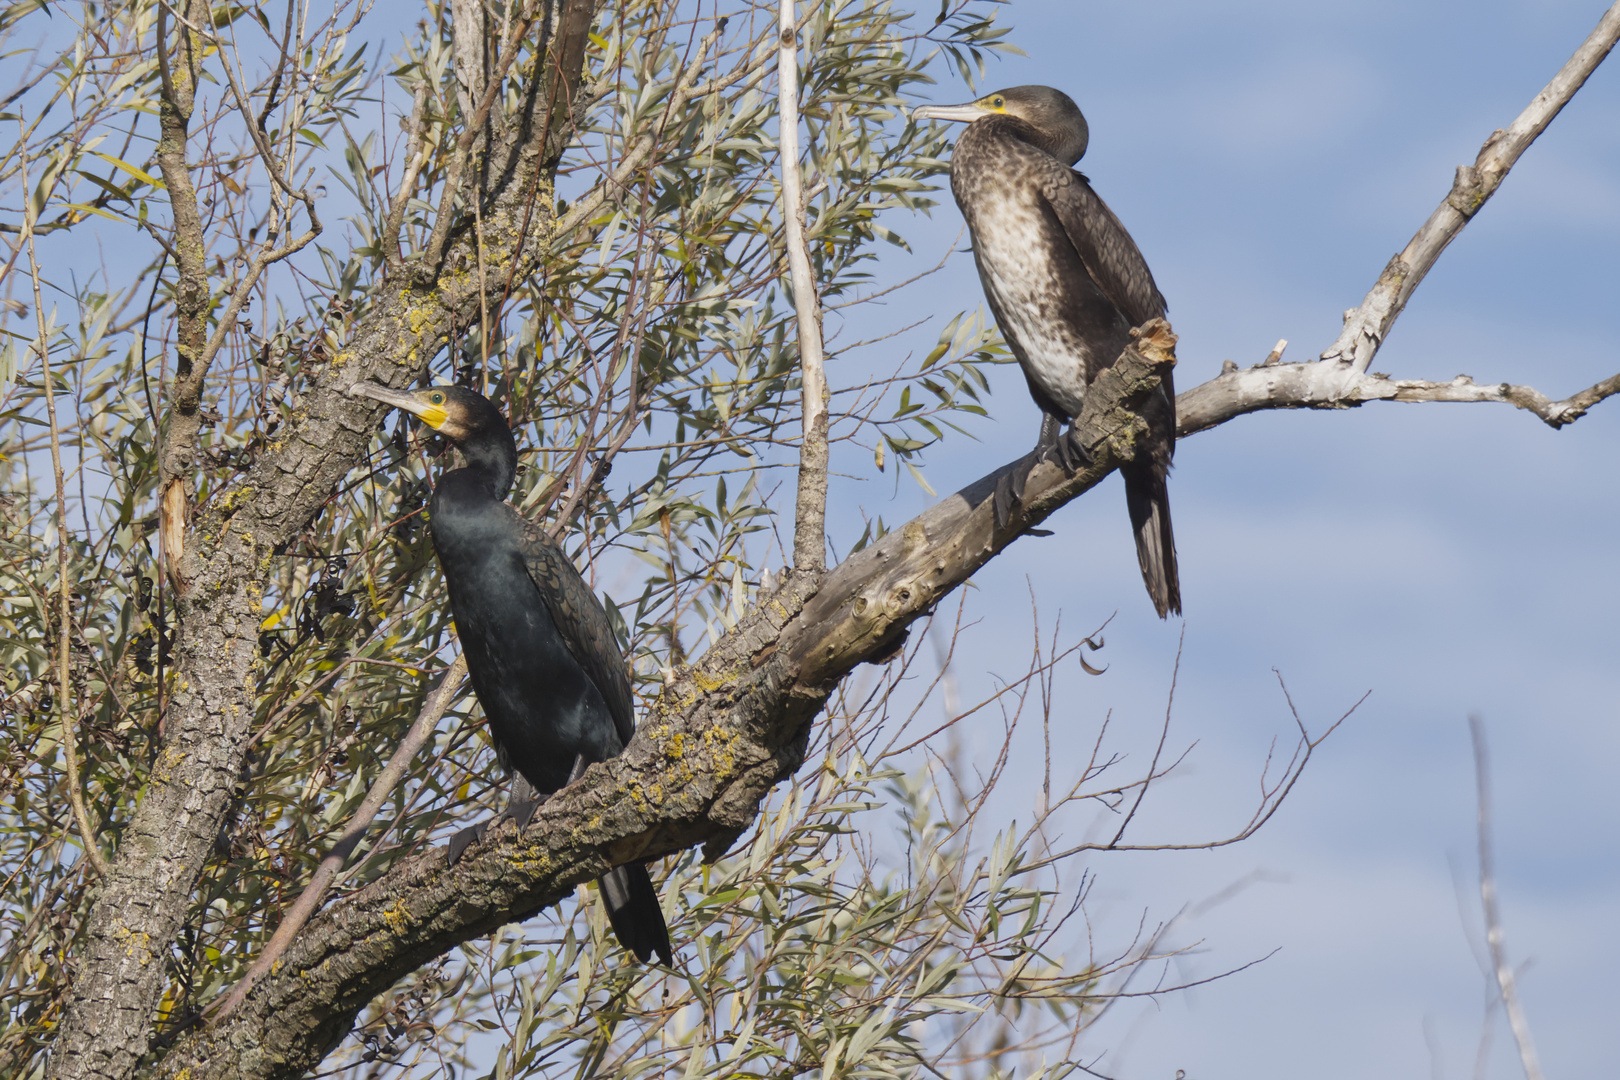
(1066, 284)
(540, 651)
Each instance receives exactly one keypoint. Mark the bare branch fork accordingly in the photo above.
(1341, 379)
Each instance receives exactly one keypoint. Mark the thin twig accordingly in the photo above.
(810, 511)
(415, 158)
(432, 710)
(64, 695)
(1505, 984)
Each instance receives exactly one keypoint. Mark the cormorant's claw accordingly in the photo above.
(578, 770)
(523, 812)
(1001, 501)
(464, 839)
(1075, 447)
(520, 810)
(1067, 452)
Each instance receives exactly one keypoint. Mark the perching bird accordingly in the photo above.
(1066, 284)
(540, 652)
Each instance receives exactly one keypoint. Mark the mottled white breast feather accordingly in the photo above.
(1008, 235)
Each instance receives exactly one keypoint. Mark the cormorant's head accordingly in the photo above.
(455, 412)
(467, 419)
(1056, 120)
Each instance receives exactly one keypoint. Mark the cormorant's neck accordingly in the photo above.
(1067, 145)
(492, 456)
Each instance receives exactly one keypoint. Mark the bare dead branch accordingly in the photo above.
(1366, 327)
(1318, 385)
(1341, 379)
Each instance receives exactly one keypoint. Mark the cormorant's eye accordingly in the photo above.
(436, 398)
(998, 103)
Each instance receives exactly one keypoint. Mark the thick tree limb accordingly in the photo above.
(723, 733)
(189, 249)
(108, 1023)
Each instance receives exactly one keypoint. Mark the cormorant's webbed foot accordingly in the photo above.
(523, 812)
(1071, 452)
(1010, 487)
(465, 839)
(520, 810)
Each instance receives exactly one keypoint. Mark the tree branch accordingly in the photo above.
(1506, 986)
(189, 249)
(415, 157)
(810, 508)
(1366, 327)
(1340, 379)
(1318, 385)
(65, 703)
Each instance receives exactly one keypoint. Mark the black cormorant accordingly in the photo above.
(540, 652)
(1066, 284)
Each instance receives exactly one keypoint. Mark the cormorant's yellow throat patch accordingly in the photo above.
(431, 409)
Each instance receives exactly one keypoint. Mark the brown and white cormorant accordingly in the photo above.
(1066, 284)
(540, 651)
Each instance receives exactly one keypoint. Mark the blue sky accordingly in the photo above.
(1269, 159)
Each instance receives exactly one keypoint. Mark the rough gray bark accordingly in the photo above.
(723, 733)
(109, 1020)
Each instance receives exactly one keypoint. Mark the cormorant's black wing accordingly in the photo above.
(583, 623)
(1110, 256)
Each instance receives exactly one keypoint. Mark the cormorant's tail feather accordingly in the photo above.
(634, 911)
(1148, 499)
